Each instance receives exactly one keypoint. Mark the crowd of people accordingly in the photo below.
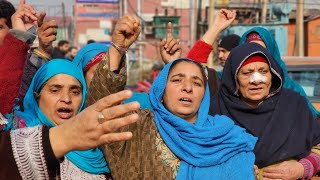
(67, 115)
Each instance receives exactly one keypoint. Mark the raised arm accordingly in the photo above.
(94, 126)
(47, 31)
(110, 76)
(203, 47)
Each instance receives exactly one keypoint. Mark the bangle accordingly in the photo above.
(122, 51)
(42, 54)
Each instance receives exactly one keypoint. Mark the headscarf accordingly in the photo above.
(229, 42)
(87, 55)
(273, 49)
(212, 147)
(91, 161)
(283, 122)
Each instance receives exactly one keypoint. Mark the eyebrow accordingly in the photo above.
(61, 86)
(183, 75)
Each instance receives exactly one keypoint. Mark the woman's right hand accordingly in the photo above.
(47, 32)
(221, 21)
(96, 125)
(170, 49)
(126, 31)
(224, 19)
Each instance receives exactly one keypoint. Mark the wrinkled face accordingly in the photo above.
(223, 55)
(4, 29)
(60, 98)
(90, 73)
(65, 47)
(254, 92)
(259, 42)
(184, 91)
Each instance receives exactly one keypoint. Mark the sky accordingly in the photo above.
(52, 7)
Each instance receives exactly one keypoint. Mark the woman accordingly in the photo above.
(177, 139)
(265, 38)
(56, 94)
(252, 94)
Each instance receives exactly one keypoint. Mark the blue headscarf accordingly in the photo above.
(91, 161)
(87, 52)
(273, 49)
(212, 147)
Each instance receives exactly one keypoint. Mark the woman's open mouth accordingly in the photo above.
(65, 113)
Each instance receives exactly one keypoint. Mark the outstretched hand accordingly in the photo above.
(170, 48)
(25, 17)
(87, 130)
(288, 170)
(47, 32)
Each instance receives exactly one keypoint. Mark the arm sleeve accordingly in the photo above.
(106, 82)
(200, 52)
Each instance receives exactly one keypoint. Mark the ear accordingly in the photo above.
(36, 96)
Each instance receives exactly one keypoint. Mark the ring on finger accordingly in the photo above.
(101, 118)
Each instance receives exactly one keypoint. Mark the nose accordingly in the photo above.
(257, 78)
(187, 87)
(66, 97)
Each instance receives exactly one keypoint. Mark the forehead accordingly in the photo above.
(255, 65)
(222, 49)
(63, 79)
(186, 68)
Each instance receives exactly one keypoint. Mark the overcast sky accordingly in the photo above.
(52, 7)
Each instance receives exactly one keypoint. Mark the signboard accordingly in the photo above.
(85, 11)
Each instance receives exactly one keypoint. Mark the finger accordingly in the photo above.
(111, 100)
(114, 137)
(273, 175)
(49, 32)
(119, 110)
(30, 8)
(29, 15)
(41, 18)
(113, 125)
(171, 44)
(21, 3)
(168, 41)
(272, 170)
(175, 48)
(126, 27)
(137, 21)
(129, 17)
(169, 31)
(50, 39)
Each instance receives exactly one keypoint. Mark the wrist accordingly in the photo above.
(42, 53)
(210, 36)
(59, 141)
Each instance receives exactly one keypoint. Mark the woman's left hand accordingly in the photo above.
(286, 170)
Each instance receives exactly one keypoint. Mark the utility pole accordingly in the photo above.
(125, 4)
(264, 9)
(299, 29)
(199, 19)
(210, 22)
(64, 21)
(140, 40)
(193, 21)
